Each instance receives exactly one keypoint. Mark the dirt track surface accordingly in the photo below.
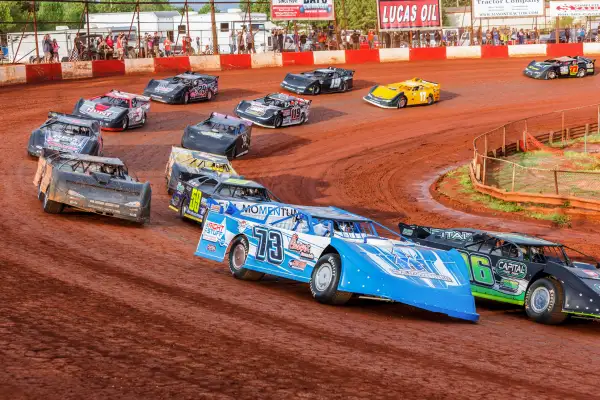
(93, 308)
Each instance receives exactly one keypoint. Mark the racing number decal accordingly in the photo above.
(195, 200)
(270, 245)
(295, 113)
(423, 96)
(564, 70)
(573, 69)
(480, 269)
(335, 82)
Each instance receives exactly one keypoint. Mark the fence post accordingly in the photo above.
(512, 186)
(525, 140)
(568, 135)
(484, 170)
(504, 140)
(556, 181)
(550, 137)
(587, 131)
(485, 149)
(598, 127)
(35, 34)
(562, 129)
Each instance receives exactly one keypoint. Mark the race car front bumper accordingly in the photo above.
(297, 89)
(534, 74)
(265, 122)
(376, 101)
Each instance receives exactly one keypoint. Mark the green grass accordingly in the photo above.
(595, 138)
(558, 219)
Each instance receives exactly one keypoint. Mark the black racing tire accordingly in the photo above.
(237, 258)
(325, 279)
(125, 123)
(551, 74)
(544, 300)
(582, 72)
(143, 121)
(402, 101)
(40, 193)
(430, 100)
(51, 207)
(186, 97)
(183, 208)
(209, 95)
(317, 89)
(278, 121)
(302, 118)
(343, 86)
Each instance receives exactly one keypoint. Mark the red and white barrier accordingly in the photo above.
(35, 73)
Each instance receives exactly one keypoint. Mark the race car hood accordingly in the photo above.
(64, 142)
(431, 279)
(98, 111)
(303, 79)
(163, 87)
(539, 66)
(383, 92)
(257, 109)
(207, 140)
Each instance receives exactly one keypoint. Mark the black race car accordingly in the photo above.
(323, 80)
(183, 88)
(94, 184)
(219, 134)
(68, 133)
(193, 198)
(550, 280)
(115, 110)
(274, 110)
(561, 67)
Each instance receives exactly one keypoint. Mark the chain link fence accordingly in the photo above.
(549, 133)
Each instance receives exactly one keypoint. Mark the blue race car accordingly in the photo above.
(339, 254)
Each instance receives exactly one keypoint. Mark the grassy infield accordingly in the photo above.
(573, 159)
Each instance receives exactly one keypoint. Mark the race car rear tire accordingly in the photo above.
(186, 98)
(430, 99)
(551, 75)
(143, 121)
(125, 124)
(237, 258)
(302, 118)
(51, 207)
(317, 89)
(544, 300)
(581, 72)
(325, 279)
(402, 102)
(278, 121)
(343, 87)
(209, 95)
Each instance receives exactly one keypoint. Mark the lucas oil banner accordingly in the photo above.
(409, 14)
(302, 10)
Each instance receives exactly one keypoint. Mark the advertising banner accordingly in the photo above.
(507, 8)
(409, 14)
(574, 8)
(283, 10)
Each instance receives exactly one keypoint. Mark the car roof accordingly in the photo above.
(562, 59)
(73, 120)
(242, 182)
(99, 160)
(227, 120)
(192, 75)
(201, 155)
(281, 96)
(516, 238)
(333, 213)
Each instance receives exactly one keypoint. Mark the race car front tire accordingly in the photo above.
(186, 98)
(343, 86)
(302, 118)
(544, 300)
(209, 95)
(316, 89)
(51, 207)
(325, 279)
(237, 258)
(125, 124)
(402, 102)
(430, 99)
(551, 75)
(581, 72)
(277, 121)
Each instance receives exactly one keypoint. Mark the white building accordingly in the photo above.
(149, 21)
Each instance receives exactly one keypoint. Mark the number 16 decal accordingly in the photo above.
(270, 245)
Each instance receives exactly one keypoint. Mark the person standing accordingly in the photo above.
(167, 44)
(280, 40)
(250, 41)
(355, 41)
(370, 38)
(302, 41)
(233, 41)
(47, 48)
(240, 42)
(55, 48)
(184, 45)
(198, 49)
(567, 34)
(120, 52)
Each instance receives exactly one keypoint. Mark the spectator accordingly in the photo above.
(55, 48)
(504, 37)
(77, 48)
(495, 36)
(167, 45)
(149, 46)
(120, 51)
(184, 45)
(428, 39)
(240, 40)
(568, 34)
(280, 40)
(198, 49)
(355, 41)
(303, 41)
(233, 41)
(521, 36)
(437, 36)
(190, 49)
(370, 38)
(47, 48)
(250, 41)
(581, 34)
(322, 40)
(156, 44)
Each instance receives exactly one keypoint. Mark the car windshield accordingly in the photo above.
(67, 129)
(217, 125)
(353, 229)
(113, 101)
(270, 101)
(245, 193)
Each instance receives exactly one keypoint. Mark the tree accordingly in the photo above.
(205, 9)
(257, 6)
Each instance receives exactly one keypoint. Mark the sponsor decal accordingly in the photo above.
(215, 208)
(163, 87)
(591, 274)
(215, 135)
(509, 285)
(302, 10)
(301, 247)
(92, 110)
(242, 226)
(507, 8)
(297, 264)
(408, 14)
(574, 8)
(179, 186)
(597, 287)
(452, 235)
(262, 209)
(411, 258)
(257, 109)
(213, 231)
(211, 248)
(511, 269)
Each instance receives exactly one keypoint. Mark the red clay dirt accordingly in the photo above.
(91, 307)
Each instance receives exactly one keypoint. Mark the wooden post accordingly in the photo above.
(504, 140)
(484, 170)
(187, 24)
(568, 135)
(485, 145)
(556, 181)
(37, 48)
(557, 30)
(512, 186)
(410, 39)
(214, 26)
(87, 23)
(139, 31)
(550, 137)
(562, 129)
(525, 141)
(587, 131)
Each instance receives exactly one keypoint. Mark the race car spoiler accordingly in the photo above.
(127, 95)
(87, 121)
(231, 117)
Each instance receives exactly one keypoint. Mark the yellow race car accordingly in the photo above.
(399, 95)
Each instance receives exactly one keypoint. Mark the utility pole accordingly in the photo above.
(187, 21)
(139, 32)
(214, 27)
(87, 23)
(37, 48)
(345, 16)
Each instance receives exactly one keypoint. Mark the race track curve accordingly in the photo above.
(94, 308)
